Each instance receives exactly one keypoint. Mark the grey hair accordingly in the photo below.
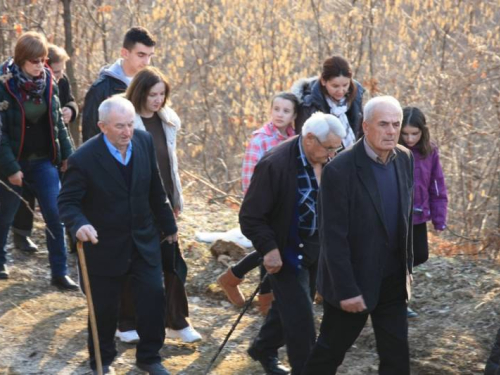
(321, 124)
(373, 102)
(116, 103)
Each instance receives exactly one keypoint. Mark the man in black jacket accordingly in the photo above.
(493, 364)
(279, 216)
(113, 200)
(23, 221)
(137, 50)
(366, 255)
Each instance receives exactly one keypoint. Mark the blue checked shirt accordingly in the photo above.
(307, 194)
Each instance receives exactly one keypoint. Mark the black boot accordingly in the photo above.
(24, 243)
(64, 283)
(4, 272)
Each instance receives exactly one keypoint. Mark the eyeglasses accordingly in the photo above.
(330, 150)
(39, 61)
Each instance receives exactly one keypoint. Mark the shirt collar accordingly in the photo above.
(116, 153)
(273, 131)
(372, 154)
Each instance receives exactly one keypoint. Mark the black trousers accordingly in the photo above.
(493, 363)
(147, 290)
(23, 221)
(339, 330)
(420, 244)
(290, 320)
(248, 263)
(176, 303)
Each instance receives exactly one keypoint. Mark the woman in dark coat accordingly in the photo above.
(34, 142)
(334, 92)
(23, 221)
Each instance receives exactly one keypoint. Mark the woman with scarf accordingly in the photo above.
(334, 92)
(34, 143)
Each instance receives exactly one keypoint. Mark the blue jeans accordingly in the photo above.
(42, 177)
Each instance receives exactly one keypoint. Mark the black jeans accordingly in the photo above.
(339, 330)
(248, 263)
(290, 320)
(147, 289)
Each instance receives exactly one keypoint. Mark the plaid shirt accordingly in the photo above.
(262, 141)
(308, 187)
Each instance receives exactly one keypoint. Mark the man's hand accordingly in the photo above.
(64, 166)
(272, 261)
(353, 305)
(172, 238)
(16, 179)
(176, 212)
(87, 233)
(66, 114)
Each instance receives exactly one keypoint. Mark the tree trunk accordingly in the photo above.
(68, 46)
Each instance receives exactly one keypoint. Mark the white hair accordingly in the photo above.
(116, 103)
(321, 124)
(374, 102)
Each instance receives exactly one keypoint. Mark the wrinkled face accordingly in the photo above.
(411, 135)
(58, 69)
(155, 98)
(282, 113)
(336, 87)
(34, 67)
(382, 130)
(119, 128)
(137, 58)
(318, 152)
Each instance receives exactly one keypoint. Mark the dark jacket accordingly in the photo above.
(66, 96)
(14, 125)
(312, 99)
(95, 192)
(268, 207)
(353, 236)
(110, 82)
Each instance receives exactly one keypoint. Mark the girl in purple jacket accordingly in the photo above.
(430, 200)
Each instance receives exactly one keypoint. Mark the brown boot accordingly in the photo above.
(265, 301)
(229, 284)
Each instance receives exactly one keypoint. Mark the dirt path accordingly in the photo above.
(43, 331)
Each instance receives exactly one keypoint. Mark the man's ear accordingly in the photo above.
(365, 127)
(101, 125)
(124, 53)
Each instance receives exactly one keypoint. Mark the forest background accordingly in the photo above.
(226, 58)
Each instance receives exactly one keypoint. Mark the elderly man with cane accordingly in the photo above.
(112, 199)
(279, 216)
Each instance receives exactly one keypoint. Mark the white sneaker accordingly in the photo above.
(128, 337)
(188, 334)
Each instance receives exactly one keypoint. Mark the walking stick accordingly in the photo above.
(93, 322)
(243, 311)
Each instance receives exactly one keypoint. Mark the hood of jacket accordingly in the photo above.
(115, 70)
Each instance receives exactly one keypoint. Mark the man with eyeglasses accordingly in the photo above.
(365, 264)
(136, 53)
(279, 216)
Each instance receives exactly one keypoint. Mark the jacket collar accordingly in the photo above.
(367, 177)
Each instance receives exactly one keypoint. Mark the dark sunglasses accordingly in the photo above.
(39, 61)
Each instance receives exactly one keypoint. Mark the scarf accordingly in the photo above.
(30, 88)
(339, 110)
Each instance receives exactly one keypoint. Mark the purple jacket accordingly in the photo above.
(430, 201)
